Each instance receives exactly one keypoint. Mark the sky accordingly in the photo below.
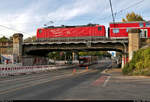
(26, 16)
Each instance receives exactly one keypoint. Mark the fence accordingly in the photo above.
(10, 65)
(8, 71)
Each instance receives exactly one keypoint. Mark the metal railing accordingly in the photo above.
(72, 39)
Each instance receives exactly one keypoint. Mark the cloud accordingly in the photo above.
(24, 22)
(67, 12)
(77, 8)
(16, 22)
(30, 17)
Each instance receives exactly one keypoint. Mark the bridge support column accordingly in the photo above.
(124, 60)
(17, 47)
(134, 42)
(73, 56)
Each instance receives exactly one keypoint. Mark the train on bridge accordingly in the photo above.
(117, 30)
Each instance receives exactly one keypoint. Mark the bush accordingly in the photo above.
(140, 63)
(128, 68)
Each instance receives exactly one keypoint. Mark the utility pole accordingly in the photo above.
(112, 11)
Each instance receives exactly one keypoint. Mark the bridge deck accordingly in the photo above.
(80, 41)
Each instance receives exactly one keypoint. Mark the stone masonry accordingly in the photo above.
(17, 47)
(134, 42)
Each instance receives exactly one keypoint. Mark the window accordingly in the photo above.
(115, 30)
(127, 30)
(99, 28)
(141, 25)
(147, 24)
(40, 31)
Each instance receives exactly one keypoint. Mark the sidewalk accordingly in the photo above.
(127, 87)
(118, 72)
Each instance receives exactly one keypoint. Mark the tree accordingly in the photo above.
(4, 39)
(30, 39)
(53, 55)
(132, 17)
(60, 55)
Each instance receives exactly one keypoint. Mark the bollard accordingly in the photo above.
(87, 68)
(0, 72)
(6, 71)
(74, 71)
(15, 71)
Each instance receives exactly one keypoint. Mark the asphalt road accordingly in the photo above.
(72, 83)
(76, 84)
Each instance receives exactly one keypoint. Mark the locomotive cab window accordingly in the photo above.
(141, 25)
(40, 31)
(127, 30)
(116, 30)
(147, 24)
(99, 28)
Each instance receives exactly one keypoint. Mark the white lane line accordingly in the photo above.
(106, 81)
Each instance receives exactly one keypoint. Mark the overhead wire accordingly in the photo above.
(116, 13)
(131, 6)
(12, 29)
(135, 4)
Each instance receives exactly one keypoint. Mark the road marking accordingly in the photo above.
(106, 81)
(99, 81)
(30, 83)
(28, 78)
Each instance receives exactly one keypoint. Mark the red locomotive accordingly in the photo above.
(117, 30)
(71, 32)
(120, 30)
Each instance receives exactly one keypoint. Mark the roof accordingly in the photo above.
(65, 26)
(128, 22)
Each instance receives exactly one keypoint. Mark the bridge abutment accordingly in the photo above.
(134, 42)
(17, 47)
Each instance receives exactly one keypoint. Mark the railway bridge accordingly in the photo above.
(22, 51)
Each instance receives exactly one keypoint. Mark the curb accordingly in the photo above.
(105, 71)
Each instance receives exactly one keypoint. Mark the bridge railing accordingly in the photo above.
(73, 39)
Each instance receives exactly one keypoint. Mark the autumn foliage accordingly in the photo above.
(132, 17)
